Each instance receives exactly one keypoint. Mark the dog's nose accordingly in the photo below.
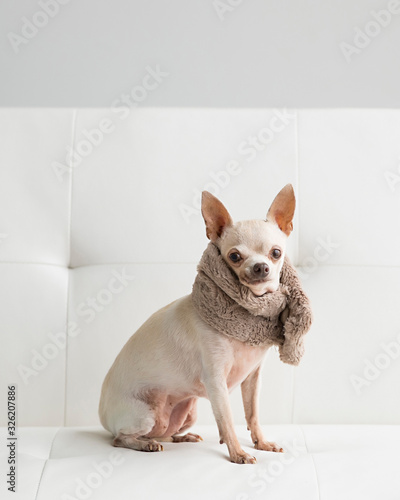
(260, 270)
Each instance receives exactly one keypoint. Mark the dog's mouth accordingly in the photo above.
(259, 287)
(248, 281)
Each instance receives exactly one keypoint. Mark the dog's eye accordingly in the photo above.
(276, 253)
(235, 256)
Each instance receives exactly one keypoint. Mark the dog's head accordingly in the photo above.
(254, 249)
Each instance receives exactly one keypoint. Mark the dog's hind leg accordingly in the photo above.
(135, 419)
(136, 443)
(187, 438)
(189, 421)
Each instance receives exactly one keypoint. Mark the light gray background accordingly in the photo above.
(264, 53)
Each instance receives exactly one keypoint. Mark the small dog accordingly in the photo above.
(151, 390)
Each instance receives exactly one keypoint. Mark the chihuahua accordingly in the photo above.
(150, 392)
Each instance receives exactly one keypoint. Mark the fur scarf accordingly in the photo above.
(280, 318)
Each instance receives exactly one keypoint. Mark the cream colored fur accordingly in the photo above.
(150, 392)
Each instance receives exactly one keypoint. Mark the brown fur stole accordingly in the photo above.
(280, 318)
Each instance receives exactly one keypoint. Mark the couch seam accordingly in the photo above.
(313, 461)
(296, 141)
(73, 134)
(44, 466)
(293, 392)
(33, 263)
(131, 263)
(297, 170)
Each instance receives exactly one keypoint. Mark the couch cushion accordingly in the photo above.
(320, 462)
(34, 204)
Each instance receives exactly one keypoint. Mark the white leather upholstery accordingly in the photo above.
(123, 227)
(320, 463)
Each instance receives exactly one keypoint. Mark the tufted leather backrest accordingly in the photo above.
(100, 226)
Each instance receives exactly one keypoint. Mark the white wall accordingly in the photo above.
(263, 53)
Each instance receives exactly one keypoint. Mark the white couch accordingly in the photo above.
(91, 245)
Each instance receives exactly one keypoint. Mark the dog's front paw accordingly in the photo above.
(267, 446)
(243, 458)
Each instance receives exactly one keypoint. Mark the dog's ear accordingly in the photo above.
(215, 215)
(282, 209)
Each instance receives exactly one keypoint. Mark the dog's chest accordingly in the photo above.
(245, 359)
